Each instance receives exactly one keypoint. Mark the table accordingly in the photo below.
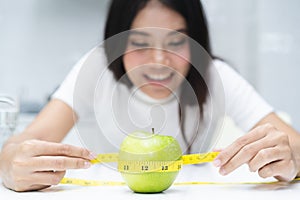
(189, 173)
(197, 173)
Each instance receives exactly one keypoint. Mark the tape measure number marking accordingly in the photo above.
(133, 166)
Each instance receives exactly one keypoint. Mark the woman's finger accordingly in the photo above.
(58, 163)
(47, 178)
(37, 180)
(254, 135)
(246, 153)
(281, 170)
(267, 156)
(38, 148)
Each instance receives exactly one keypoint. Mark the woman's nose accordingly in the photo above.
(160, 56)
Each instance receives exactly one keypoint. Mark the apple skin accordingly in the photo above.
(144, 146)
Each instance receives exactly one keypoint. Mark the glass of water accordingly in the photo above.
(9, 112)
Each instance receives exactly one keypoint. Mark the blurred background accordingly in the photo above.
(41, 40)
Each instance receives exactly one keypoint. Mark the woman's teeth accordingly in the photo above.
(158, 77)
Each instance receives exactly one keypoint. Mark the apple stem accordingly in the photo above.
(152, 130)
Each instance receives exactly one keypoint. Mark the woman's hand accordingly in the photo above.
(265, 149)
(35, 164)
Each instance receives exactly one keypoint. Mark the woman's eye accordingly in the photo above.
(177, 43)
(139, 44)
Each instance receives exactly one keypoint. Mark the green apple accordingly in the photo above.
(144, 146)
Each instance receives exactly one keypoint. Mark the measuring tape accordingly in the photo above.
(153, 166)
(138, 166)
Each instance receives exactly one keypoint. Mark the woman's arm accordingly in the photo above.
(272, 148)
(34, 159)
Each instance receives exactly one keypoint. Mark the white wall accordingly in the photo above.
(279, 55)
(233, 31)
(40, 40)
(261, 38)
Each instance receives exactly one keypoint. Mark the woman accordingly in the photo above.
(35, 159)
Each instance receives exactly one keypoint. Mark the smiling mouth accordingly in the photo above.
(159, 78)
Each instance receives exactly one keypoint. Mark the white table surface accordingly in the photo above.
(200, 173)
(188, 173)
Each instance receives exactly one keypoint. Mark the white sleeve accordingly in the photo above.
(81, 82)
(242, 103)
(66, 89)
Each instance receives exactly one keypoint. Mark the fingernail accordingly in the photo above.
(86, 165)
(217, 163)
(222, 172)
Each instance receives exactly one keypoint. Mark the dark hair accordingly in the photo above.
(120, 17)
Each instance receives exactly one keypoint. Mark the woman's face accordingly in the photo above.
(158, 53)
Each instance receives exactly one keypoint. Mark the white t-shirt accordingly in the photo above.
(108, 110)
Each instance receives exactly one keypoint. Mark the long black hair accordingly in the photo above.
(120, 17)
